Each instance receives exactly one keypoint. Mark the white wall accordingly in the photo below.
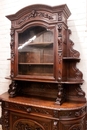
(77, 23)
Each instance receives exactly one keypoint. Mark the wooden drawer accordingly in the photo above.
(31, 110)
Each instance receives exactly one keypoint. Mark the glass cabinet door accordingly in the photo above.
(35, 52)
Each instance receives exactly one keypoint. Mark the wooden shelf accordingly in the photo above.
(40, 44)
(70, 58)
(54, 81)
(73, 82)
(35, 63)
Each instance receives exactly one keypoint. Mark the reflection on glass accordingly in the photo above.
(35, 52)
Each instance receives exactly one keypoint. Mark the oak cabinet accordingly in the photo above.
(45, 91)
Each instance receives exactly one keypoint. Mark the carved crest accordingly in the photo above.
(34, 14)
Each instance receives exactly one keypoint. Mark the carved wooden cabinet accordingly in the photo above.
(45, 91)
(22, 113)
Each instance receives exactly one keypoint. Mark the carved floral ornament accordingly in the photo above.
(27, 125)
(34, 14)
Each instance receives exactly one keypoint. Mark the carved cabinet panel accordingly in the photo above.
(75, 125)
(31, 114)
(27, 122)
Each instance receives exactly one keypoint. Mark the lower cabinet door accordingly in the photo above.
(20, 121)
(77, 124)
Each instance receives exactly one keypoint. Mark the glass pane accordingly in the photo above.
(35, 52)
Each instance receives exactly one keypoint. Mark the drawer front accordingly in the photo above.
(31, 110)
(57, 114)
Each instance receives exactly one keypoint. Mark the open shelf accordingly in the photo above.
(71, 58)
(39, 43)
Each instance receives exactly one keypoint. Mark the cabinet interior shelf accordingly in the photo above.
(38, 44)
(35, 63)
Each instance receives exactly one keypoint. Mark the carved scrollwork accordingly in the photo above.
(60, 94)
(43, 111)
(60, 43)
(55, 113)
(12, 89)
(24, 124)
(77, 127)
(29, 109)
(59, 52)
(6, 119)
(12, 33)
(79, 91)
(34, 14)
(73, 53)
(59, 68)
(12, 37)
(77, 73)
(72, 113)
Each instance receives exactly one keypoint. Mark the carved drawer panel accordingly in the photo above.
(44, 112)
(40, 111)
